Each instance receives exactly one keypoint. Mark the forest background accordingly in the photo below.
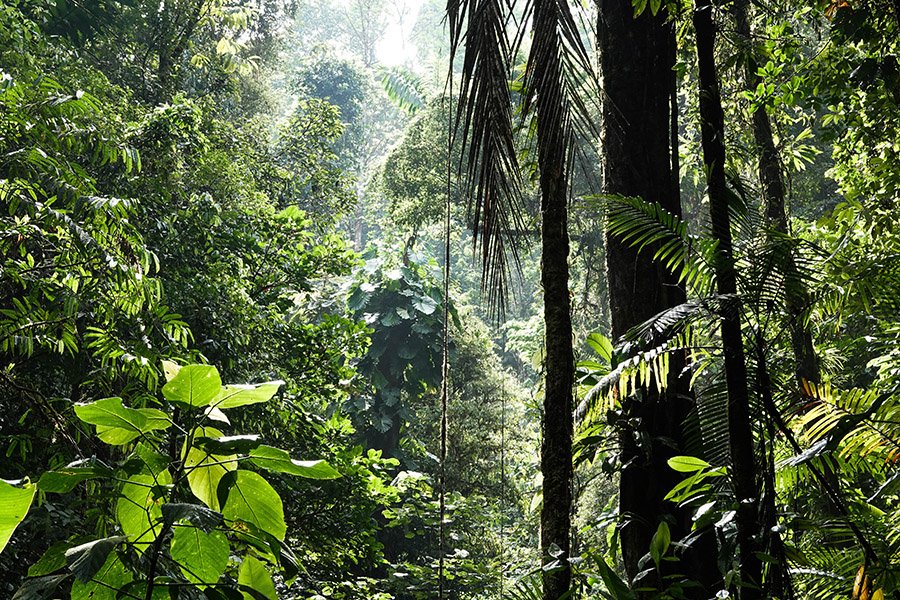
(197, 192)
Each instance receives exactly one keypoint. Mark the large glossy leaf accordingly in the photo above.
(194, 385)
(14, 505)
(659, 544)
(201, 556)
(687, 464)
(205, 470)
(255, 581)
(276, 459)
(232, 396)
(110, 413)
(138, 508)
(117, 424)
(156, 419)
(116, 436)
(105, 583)
(87, 559)
(64, 480)
(246, 496)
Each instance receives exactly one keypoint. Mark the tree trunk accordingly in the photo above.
(559, 378)
(639, 157)
(743, 471)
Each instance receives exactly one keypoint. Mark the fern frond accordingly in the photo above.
(642, 359)
(857, 423)
(649, 226)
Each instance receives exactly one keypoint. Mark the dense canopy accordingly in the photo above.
(426, 299)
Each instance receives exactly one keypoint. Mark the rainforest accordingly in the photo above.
(449, 299)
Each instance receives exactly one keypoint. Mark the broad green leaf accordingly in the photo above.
(170, 369)
(109, 412)
(138, 508)
(105, 583)
(40, 588)
(246, 496)
(150, 461)
(156, 419)
(201, 556)
(194, 385)
(684, 488)
(254, 575)
(276, 459)
(424, 305)
(116, 436)
(687, 464)
(205, 470)
(660, 542)
(64, 480)
(613, 582)
(14, 505)
(52, 560)
(601, 345)
(232, 396)
(87, 560)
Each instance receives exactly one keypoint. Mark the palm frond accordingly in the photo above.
(484, 124)
(643, 357)
(855, 423)
(648, 226)
(824, 571)
(558, 76)
(712, 412)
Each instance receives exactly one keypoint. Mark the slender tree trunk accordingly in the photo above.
(743, 471)
(559, 379)
(639, 157)
(773, 193)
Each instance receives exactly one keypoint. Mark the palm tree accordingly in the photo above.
(556, 63)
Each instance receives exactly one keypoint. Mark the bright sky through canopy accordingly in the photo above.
(396, 47)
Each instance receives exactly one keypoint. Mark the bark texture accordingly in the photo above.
(639, 157)
(743, 471)
(559, 378)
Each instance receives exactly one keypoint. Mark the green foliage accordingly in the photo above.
(403, 305)
(229, 540)
(14, 504)
(403, 88)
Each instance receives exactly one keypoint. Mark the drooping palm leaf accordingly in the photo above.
(484, 124)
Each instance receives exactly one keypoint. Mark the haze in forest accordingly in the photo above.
(287, 313)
